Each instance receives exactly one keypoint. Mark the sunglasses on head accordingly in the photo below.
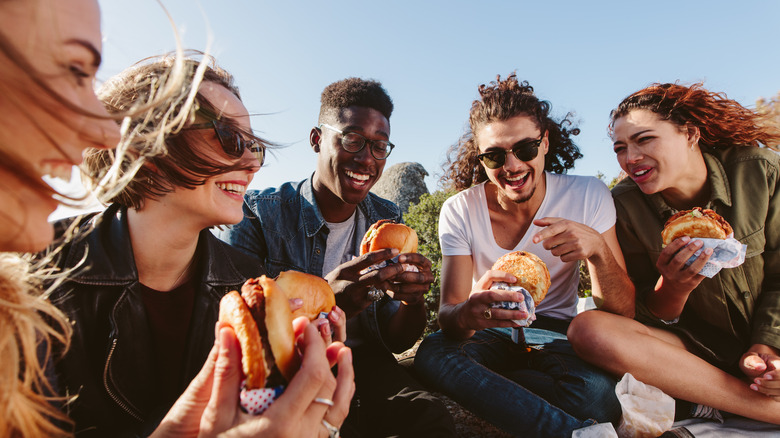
(523, 151)
(232, 140)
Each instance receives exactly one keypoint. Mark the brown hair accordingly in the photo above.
(180, 164)
(502, 100)
(722, 122)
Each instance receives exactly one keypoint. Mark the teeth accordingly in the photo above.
(60, 171)
(641, 172)
(232, 188)
(517, 178)
(357, 176)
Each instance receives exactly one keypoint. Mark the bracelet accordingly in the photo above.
(671, 321)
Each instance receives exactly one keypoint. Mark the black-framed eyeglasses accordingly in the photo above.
(232, 141)
(524, 151)
(353, 142)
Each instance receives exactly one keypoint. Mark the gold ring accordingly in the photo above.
(487, 314)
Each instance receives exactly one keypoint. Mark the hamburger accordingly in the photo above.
(697, 222)
(387, 233)
(529, 270)
(261, 318)
(315, 292)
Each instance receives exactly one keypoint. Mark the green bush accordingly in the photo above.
(424, 218)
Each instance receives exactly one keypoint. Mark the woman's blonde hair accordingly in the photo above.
(31, 328)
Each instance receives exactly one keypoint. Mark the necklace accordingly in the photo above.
(186, 268)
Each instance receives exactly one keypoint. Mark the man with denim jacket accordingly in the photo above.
(316, 226)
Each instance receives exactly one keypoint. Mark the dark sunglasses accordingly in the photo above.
(232, 140)
(524, 151)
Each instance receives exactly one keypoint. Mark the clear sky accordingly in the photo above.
(582, 56)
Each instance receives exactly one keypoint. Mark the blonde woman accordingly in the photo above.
(49, 54)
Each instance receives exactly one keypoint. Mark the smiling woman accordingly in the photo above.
(686, 147)
(151, 255)
(49, 52)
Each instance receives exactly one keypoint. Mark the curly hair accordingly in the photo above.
(722, 122)
(502, 100)
(354, 92)
(179, 163)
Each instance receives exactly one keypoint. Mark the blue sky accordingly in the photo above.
(431, 56)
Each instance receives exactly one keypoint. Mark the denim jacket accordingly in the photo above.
(284, 228)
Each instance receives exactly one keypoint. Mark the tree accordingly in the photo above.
(424, 218)
(771, 109)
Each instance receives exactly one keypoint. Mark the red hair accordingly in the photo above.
(721, 121)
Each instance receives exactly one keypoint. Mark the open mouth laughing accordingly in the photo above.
(232, 188)
(358, 179)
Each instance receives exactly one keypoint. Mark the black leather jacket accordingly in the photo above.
(109, 364)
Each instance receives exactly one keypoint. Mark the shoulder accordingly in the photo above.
(381, 207)
(587, 189)
(580, 182)
(733, 156)
(625, 188)
(247, 265)
(468, 196)
(285, 191)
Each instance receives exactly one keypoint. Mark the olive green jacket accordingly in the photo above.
(738, 307)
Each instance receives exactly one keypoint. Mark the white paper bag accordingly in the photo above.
(647, 411)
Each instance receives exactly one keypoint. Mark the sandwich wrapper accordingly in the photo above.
(382, 264)
(527, 305)
(256, 401)
(727, 253)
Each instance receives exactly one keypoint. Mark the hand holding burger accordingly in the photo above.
(386, 234)
(696, 223)
(686, 261)
(531, 275)
(261, 318)
(318, 303)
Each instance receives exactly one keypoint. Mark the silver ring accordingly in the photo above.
(324, 401)
(375, 294)
(333, 431)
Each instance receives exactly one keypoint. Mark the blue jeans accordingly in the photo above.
(545, 392)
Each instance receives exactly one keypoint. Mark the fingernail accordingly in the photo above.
(298, 301)
(395, 251)
(686, 239)
(754, 387)
(708, 251)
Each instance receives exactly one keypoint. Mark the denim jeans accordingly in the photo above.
(545, 392)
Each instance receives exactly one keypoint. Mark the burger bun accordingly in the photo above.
(315, 292)
(529, 270)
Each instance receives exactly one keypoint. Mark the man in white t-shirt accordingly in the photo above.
(513, 196)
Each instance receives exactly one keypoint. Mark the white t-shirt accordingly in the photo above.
(464, 229)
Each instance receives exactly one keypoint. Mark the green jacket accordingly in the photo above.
(738, 307)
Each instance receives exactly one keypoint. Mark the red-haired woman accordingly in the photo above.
(709, 341)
